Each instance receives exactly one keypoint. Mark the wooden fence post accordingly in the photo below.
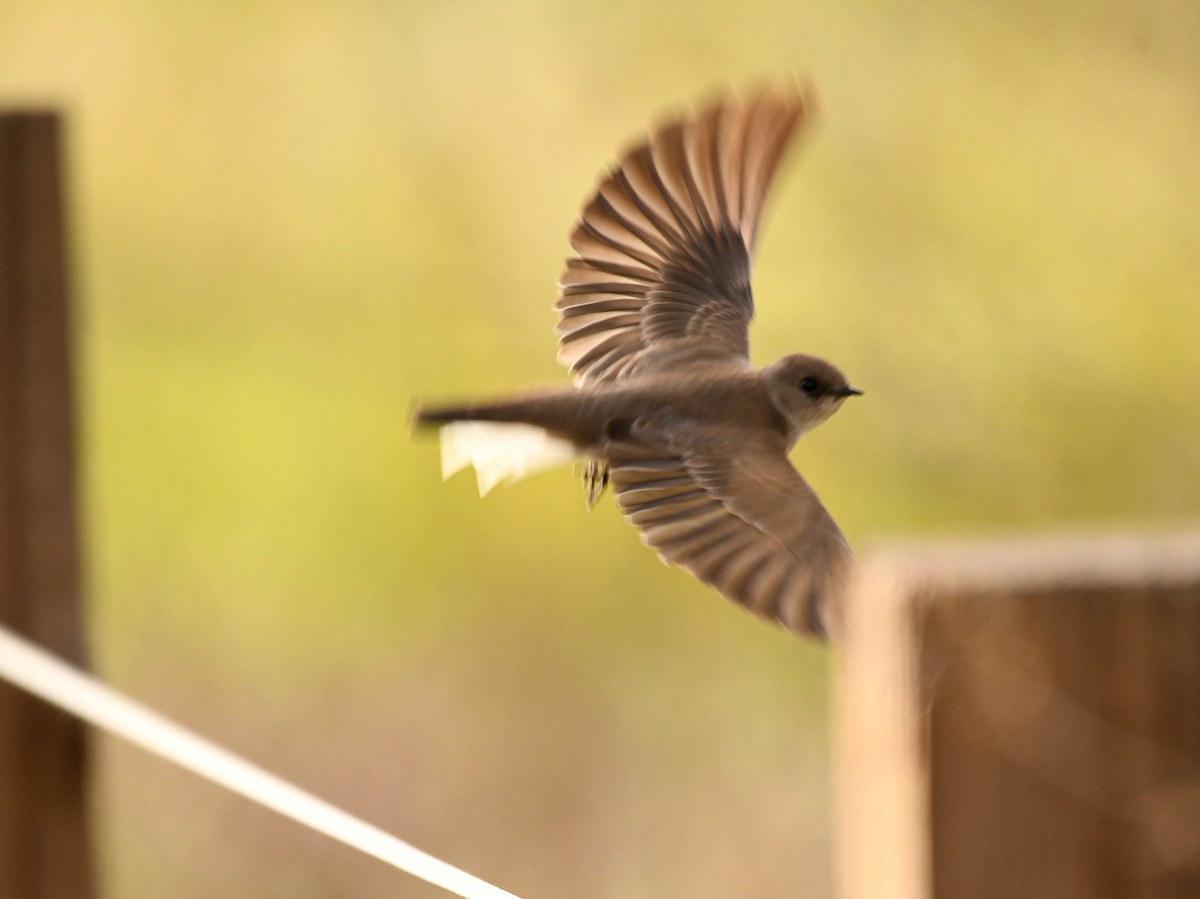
(44, 847)
(1023, 720)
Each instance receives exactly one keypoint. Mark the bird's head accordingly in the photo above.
(805, 390)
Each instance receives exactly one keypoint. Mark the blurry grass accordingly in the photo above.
(294, 220)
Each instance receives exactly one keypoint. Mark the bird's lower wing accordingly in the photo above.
(749, 526)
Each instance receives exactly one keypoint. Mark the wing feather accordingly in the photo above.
(750, 527)
(667, 236)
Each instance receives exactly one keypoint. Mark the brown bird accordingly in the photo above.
(666, 407)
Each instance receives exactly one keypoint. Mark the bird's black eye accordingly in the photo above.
(810, 386)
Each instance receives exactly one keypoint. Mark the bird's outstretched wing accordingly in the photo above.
(661, 274)
(750, 526)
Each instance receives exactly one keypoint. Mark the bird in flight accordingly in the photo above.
(666, 408)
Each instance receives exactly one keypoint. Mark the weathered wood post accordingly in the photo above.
(44, 847)
(1023, 720)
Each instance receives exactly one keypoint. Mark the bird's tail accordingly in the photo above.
(500, 451)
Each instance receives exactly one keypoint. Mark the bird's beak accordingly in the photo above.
(848, 391)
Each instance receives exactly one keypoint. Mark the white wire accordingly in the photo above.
(43, 675)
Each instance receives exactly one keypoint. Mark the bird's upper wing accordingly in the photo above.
(750, 526)
(662, 264)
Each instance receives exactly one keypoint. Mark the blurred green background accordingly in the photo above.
(293, 219)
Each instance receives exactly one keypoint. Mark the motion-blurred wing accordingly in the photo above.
(662, 264)
(750, 526)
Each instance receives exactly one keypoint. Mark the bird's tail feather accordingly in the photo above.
(500, 452)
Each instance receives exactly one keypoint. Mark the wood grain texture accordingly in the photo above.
(1023, 719)
(44, 849)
